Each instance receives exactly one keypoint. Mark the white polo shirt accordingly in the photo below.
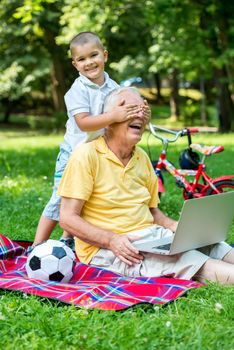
(84, 96)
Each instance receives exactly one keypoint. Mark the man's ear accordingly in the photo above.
(121, 102)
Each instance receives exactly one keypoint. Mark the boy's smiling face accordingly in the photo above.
(89, 59)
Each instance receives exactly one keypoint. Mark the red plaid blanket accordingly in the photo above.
(90, 287)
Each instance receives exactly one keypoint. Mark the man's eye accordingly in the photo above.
(94, 54)
(80, 59)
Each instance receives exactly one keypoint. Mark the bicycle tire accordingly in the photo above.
(221, 186)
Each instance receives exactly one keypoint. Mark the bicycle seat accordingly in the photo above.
(206, 150)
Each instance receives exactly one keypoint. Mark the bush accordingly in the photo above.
(192, 113)
(55, 122)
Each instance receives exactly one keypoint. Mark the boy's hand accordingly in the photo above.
(146, 111)
(124, 112)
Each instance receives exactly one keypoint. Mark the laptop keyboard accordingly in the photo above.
(163, 247)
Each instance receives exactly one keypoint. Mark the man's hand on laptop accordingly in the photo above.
(173, 226)
(121, 246)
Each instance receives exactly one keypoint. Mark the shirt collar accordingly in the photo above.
(88, 82)
(101, 146)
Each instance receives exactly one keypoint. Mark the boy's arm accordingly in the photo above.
(87, 122)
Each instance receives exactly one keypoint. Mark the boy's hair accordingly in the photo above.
(110, 100)
(85, 37)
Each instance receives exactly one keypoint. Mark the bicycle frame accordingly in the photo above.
(179, 175)
(191, 189)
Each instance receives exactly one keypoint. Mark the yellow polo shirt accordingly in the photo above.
(117, 197)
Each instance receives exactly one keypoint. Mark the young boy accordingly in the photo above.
(86, 121)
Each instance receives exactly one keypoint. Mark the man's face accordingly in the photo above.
(131, 130)
(89, 59)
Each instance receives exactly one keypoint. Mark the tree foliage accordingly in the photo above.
(172, 39)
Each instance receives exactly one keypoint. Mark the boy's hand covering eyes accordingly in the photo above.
(123, 112)
(147, 111)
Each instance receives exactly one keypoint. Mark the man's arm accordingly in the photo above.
(73, 223)
(163, 220)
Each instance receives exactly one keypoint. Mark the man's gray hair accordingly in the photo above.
(112, 97)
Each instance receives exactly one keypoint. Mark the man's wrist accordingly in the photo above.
(173, 226)
(110, 237)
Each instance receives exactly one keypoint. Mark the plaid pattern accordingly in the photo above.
(8, 248)
(90, 287)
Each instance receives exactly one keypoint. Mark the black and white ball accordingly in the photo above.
(51, 261)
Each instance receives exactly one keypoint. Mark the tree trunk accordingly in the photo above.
(58, 87)
(226, 106)
(219, 40)
(6, 118)
(7, 110)
(157, 81)
(57, 73)
(225, 103)
(174, 98)
(203, 101)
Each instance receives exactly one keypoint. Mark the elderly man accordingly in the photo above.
(109, 199)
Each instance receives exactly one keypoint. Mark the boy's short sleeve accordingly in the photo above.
(78, 178)
(77, 100)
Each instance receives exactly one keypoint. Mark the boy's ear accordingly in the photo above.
(105, 55)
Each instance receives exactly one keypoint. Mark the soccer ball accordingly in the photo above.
(51, 261)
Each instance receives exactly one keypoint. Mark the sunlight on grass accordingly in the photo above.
(17, 140)
(150, 93)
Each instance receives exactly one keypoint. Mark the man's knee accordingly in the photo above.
(216, 271)
(208, 270)
(229, 257)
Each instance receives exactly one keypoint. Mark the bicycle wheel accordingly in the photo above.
(222, 186)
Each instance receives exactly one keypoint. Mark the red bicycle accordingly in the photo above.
(191, 166)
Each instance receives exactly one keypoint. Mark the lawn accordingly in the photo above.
(203, 319)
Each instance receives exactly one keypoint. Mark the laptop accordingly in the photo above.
(203, 221)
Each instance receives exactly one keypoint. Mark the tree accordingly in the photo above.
(178, 50)
(45, 15)
(216, 19)
(177, 40)
(29, 30)
(14, 84)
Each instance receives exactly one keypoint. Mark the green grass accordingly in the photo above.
(195, 321)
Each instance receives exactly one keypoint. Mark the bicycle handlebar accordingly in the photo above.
(183, 132)
(192, 130)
